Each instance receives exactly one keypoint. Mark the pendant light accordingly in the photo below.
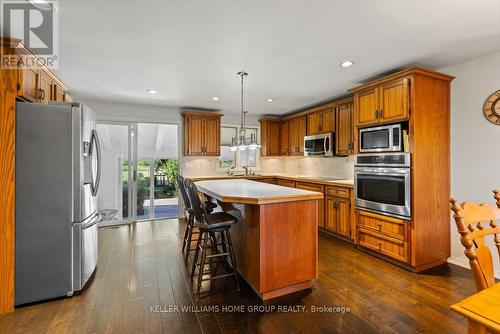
(240, 143)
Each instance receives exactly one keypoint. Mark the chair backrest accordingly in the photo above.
(182, 191)
(197, 205)
(470, 218)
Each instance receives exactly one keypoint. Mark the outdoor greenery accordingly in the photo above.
(165, 174)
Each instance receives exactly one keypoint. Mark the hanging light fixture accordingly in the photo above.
(240, 142)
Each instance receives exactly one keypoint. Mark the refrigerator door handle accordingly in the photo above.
(96, 220)
(95, 139)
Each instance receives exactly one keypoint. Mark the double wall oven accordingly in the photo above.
(383, 184)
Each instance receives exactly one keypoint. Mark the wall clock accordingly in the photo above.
(491, 108)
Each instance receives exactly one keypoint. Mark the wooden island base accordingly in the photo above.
(276, 245)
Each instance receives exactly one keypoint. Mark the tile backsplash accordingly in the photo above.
(342, 167)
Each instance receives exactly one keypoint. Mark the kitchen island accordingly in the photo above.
(276, 236)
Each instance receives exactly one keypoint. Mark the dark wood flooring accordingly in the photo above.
(140, 267)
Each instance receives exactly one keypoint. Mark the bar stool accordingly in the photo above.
(190, 228)
(209, 225)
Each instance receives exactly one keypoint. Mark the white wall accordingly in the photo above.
(475, 142)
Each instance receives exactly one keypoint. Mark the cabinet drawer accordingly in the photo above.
(287, 183)
(394, 248)
(392, 227)
(272, 181)
(310, 187)
(337, 191)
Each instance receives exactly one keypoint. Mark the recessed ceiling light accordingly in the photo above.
(346, 63)
(152, 91)
(270, 99)
(215, 98)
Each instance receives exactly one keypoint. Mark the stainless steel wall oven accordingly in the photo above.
(382, 183)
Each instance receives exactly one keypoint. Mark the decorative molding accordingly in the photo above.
(464, 263)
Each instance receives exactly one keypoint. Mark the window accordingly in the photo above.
(236, 159)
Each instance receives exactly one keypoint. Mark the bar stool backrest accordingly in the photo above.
(182, 190)
(197, 205)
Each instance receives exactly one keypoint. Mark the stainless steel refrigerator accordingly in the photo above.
(57, 180)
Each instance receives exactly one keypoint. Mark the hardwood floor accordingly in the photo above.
(140, 267)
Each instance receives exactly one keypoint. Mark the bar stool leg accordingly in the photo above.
(233, 259)
(196, 253)
(190, 235)
(186, 232)
(201, 268)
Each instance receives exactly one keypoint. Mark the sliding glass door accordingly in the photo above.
(142, 165)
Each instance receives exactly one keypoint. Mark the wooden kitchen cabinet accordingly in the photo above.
(339, 212)
(270, 137)
(297, 132)
(338, 216)
(321, 120)
(201, 133)
(394, 100)
(38, 84)
(284, 138)
(385, 235)
(28, 80)
(344, 133)
(45, 88)
(386, 102)
(318, 188)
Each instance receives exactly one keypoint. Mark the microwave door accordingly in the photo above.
(375, 141)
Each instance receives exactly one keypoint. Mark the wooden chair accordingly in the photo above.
(470, 218)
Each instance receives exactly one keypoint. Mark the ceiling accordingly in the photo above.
(190, 51)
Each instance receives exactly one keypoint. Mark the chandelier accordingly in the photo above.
(242, 143)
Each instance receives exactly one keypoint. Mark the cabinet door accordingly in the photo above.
(293, 128)
(331, 215)
(211, 137)
(327, 120)
(284, 138)
(394, 100)
(274, 138)
(28, 82)
(367, 107)
(45, 87)
(193, 138)
(313, 124)
(344, 132)
(343, 217)
(301, 132)
(58, 94)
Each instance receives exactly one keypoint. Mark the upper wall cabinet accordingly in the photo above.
(270, 137)
(344, 132)
(296, 133)
(37, 83)
(321, 120)
(201, 133)
(284, 138)
(383, 103)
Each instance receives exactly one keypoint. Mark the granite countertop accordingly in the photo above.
(249, 192)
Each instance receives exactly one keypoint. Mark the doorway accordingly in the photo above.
(140, 166)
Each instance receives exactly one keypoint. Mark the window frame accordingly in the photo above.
(237, 162)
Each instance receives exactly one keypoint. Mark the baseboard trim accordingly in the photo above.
(465, 264)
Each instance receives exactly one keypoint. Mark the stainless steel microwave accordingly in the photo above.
(322, 145)
(385, 138)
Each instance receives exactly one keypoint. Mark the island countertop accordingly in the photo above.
(253, 192)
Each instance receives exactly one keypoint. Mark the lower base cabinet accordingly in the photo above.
(384, 235)
(338, 216)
